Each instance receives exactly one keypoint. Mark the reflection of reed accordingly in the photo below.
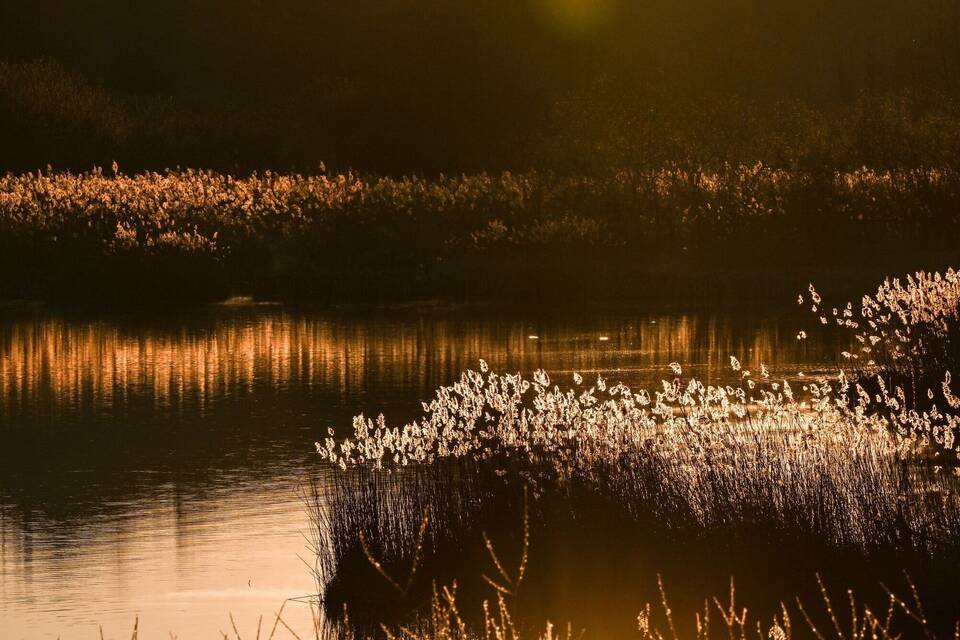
(63, 365)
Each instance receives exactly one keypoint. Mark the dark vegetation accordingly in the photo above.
(592, 560)
(422, 86)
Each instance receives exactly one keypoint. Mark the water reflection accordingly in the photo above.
(150, 463)
(57, 367)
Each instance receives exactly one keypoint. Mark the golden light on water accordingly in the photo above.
(102, 364)
(217, 415)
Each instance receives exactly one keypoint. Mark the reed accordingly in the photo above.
(908, 344)
(200, 233)
(444, 615)
(686, 455)
(821, 466)
(753, 467)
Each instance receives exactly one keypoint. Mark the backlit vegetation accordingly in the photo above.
(906, 337)
(688, 457)
(196, 233)
(823, 464)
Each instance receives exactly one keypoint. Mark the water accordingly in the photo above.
(150, 462)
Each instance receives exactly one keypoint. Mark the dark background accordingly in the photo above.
(401, 86)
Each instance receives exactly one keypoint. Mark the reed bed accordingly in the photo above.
(752, 467)
(204, 233)
(685, 458)
(824, 465)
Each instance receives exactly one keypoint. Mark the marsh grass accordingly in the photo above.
(907, 337)
(686, 455)
(761, 472)
(598, 532)
(205, 234)
(687, 471)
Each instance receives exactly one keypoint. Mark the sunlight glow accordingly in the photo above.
(577, 17)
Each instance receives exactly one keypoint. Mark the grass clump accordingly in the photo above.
(688, 456)
(908, 344)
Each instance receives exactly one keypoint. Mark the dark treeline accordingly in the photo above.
(436, 85)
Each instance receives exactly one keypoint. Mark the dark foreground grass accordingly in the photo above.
(738, 231)
(387, 540)
(845, 615)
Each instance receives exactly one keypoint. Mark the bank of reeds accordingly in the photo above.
(753, 467)
(686, 456)
(438, 609)
(197, 233)
(822, 467)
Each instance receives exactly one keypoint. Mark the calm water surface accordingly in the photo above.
(150, 462)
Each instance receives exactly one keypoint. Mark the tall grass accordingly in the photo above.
(199, 233)
(808, 465)
(686, 457)
(746, 468)
(908, 344)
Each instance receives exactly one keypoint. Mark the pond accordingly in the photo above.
(150, 461)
